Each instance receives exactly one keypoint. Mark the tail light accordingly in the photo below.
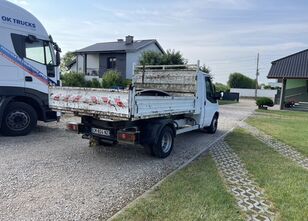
(72, 126)
(130, 136)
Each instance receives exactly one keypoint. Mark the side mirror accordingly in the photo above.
(58, 58)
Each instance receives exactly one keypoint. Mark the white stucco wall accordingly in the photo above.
(251, 92)
(93, 61)
(133, 58)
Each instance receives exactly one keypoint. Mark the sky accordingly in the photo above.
(226, 35)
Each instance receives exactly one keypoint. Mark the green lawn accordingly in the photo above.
(285, 183)
(289, 127)
(223, 102)
(194, 193)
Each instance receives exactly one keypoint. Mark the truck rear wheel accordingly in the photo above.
(164, 144)
(18, 120)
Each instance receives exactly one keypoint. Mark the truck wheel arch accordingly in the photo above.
(153, 128)
(35, 103)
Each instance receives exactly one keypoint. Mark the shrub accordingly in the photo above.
(112, 79)
(264, 101)
(95, 83)
(171, 57)
(73, 79)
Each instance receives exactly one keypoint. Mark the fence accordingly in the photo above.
(250, 93)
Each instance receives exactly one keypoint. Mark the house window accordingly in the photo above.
(111, 63)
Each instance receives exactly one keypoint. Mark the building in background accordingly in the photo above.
(292, 72)
(120, 55)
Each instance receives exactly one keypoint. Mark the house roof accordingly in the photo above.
(119, 46)
(294, 66)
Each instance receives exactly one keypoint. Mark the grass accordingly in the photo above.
(194, 193)
(224, 102)
(285, 183)
(289, 127)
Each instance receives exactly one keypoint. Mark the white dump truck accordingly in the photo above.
(29, 63)
(162, 102)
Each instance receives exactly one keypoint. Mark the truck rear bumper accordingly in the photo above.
(124, 136)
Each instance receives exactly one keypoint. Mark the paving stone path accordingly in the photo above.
(250, 198)
(280, 147)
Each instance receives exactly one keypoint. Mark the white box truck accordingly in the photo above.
(29, 63)
(162, 102)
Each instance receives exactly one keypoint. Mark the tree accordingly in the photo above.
(171, 57)
(238, 80)
(207, 70)
(66, 60)
(221, 87)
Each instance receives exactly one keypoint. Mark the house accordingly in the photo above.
(120, 55)
(292, 72)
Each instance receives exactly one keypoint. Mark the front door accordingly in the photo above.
(210, 102)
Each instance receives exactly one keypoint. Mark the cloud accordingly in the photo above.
(20, 2)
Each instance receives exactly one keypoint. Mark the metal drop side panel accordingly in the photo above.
(110, 103)
(156, 106)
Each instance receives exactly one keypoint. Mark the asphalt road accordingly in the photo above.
(52, 174)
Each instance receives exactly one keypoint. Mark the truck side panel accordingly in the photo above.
(90, 101)
(151, 106)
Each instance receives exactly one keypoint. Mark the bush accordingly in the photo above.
(95, 83)
(112, 79)
(73, 79)
(264, 101)
(171, 57)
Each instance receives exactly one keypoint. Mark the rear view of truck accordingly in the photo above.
(162, 102)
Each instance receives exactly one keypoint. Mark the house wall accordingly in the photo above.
(296, 90)
(132, 58)
(78, 66)
(120, 63)
(93, 61)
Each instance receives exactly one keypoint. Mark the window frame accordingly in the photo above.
(109, 64)
(19, 44)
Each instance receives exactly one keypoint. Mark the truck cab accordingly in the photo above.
(29, 64)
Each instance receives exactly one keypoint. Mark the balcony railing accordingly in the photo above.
(93, 72)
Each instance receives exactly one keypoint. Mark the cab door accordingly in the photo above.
(210, 102)
(11, 75)
(40, 65)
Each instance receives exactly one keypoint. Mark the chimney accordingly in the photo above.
(120, 40)
(129, 39)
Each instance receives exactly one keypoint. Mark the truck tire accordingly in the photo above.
(18, 120)
(164, 144)
(213, 127)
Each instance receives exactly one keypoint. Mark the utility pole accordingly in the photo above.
(257, 75)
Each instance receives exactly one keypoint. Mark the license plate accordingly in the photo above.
(100, 131)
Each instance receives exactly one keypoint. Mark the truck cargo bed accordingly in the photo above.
(162, 91)
(117, 104)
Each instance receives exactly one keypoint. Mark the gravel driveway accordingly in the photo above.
(52, 174)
